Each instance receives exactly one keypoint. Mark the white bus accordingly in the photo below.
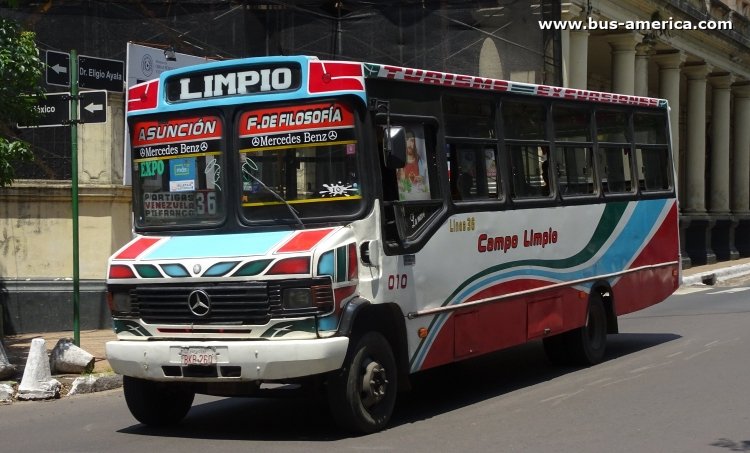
(346, 225)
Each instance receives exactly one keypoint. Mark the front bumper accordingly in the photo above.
(257, 360)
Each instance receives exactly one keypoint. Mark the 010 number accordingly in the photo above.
(398, 281)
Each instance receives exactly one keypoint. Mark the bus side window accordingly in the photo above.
(614, 166)
(530, 167)
(652, 151)
(473, 172)
(614, 156)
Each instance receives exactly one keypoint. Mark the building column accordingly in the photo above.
(642, 54)
(722, 241)
(623, 61)
(572, 12)
(669, 89)
(579, 60)
(741, 168)
(699, 231)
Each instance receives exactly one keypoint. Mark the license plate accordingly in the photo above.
(198, 356)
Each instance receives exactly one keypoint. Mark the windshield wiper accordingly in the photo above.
(280, 198)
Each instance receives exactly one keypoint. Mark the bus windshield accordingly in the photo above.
(301, 157)
(178, 171)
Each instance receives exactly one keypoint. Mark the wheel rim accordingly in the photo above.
(374, 383)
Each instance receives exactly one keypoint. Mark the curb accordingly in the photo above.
(718, 275)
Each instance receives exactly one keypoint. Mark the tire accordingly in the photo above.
(363, 393)
(582, 346)
(587, 344)
(156, 403)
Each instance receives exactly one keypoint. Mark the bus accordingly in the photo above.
(340, 226)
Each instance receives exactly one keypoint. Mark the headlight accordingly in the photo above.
(119, 302)
(292, 298)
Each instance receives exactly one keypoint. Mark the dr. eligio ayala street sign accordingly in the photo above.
(93, 73)
(101, 74)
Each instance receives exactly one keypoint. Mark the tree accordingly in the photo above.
(21, 73)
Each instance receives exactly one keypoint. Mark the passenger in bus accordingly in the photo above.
(465, 182)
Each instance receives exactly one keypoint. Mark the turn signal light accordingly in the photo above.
(120, 271)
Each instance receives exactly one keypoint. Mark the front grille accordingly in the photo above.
(230, 304)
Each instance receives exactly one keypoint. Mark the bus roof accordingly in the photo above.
(292, 77)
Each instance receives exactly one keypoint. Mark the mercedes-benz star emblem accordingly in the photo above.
(199, 303)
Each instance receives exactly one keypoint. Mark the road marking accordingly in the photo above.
(621, 380)
(692, 356)
(674, 355)
(560, 398)
(730, 291)
(648, 367)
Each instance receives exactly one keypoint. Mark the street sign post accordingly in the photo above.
(58, 68)
(92, 107)
(53, 111)
(101, 74)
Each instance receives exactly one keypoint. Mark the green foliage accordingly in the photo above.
(21, 73)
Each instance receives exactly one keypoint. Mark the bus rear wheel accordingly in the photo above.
(156, 403)
(582, 346)
(363, 393)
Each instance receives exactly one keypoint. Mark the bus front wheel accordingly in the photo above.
(156, 403)
(363, 393)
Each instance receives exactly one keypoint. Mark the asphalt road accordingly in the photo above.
(675, 380)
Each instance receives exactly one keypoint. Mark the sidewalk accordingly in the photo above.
(712, 273)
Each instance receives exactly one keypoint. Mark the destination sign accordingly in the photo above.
(181, 137)
(234, 81)
(311, 124)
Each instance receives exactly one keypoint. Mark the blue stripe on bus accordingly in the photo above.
(217, 246)
(617, 256)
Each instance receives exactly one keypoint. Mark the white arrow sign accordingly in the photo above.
(91, 108)
(60, 69)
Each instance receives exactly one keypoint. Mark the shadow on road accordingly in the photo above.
(732, 445)
(434, 392)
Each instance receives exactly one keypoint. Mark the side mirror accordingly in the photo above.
(394, 147)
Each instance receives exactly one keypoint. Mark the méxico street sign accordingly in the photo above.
(53, 111)
(58, 68)
(101, 73)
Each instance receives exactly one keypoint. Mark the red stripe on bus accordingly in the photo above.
(136, 248)
(335, 76)
(304, 241)
(143, 96)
